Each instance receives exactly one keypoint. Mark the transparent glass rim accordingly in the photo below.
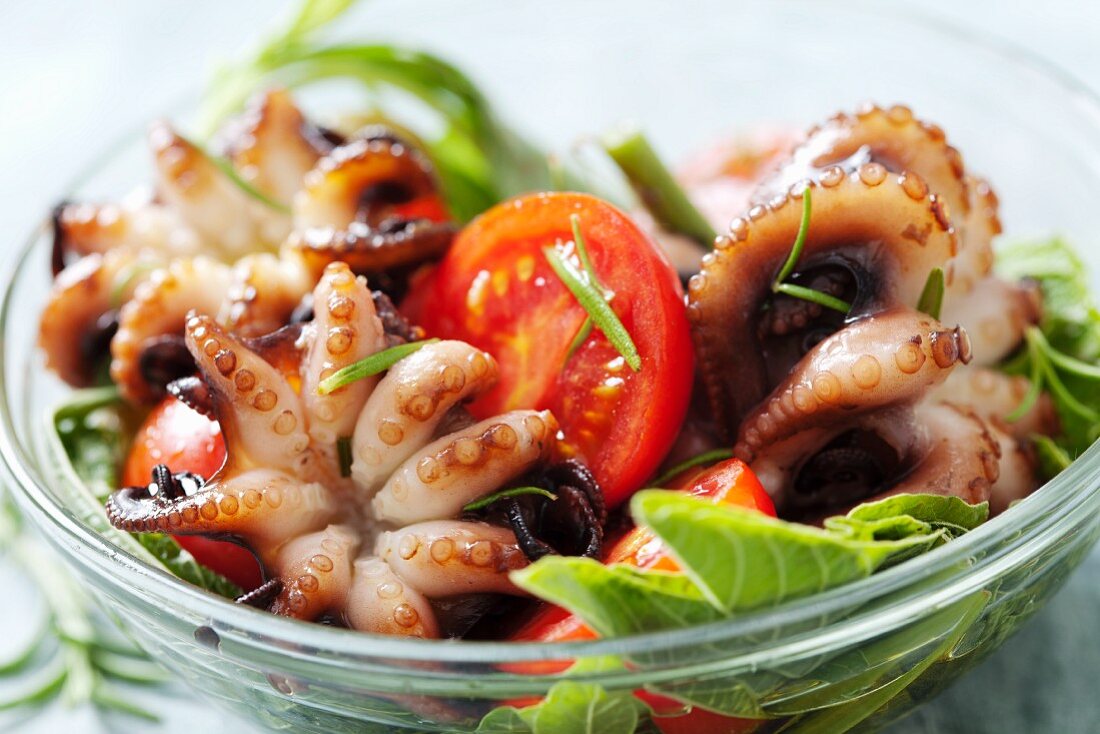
(1021, 533)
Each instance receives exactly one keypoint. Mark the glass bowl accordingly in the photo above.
(851, 659)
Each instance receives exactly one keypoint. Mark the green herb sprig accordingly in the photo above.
(1043, 373)
(780, 284)
(656, 187)
(369, 366)
(586, 263)
(483, 502)
(586, 288)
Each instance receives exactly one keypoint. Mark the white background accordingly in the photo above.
(75, 75)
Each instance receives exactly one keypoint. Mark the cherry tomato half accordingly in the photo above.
(496, 290)
(730, 482)
(185, 440)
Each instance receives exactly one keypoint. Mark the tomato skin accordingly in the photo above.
(495, 290)
(730, 482)
(184, 440)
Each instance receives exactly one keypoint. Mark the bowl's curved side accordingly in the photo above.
(881, 645)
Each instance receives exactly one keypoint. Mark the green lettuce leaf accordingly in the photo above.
(572, 707)
(904, 515)
(1071, 325)
(741, 559)
(90, 431)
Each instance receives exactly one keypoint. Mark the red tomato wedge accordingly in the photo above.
(730, 482)
(185, 440)
(496, 290)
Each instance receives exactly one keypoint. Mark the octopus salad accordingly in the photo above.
(355, 402)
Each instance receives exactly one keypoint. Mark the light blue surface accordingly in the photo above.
(73, 76)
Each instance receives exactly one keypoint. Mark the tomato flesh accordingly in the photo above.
(177, 436)
(496, 290)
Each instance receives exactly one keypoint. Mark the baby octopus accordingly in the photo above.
(831, 409)
(376, 544)
(203, 242)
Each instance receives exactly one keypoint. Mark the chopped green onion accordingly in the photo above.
(779, 285)
(369, 366)
(799, 241)
(487, 500)
(226, 167)
(594, 302)
(708, 457)
(343, 454)
(809, 294)
(931, 298)
(656, 186)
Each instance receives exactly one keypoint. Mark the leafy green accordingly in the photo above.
(741, 559)
(902, 515)
(479, 160)
(1063, 352)
(90, 429)
(736, 559)
(618, 600)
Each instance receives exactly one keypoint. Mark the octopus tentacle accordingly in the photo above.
(994, 396)
(380, 601)
(271, 146)
(455, 470)
(895, 139)
(259, 412)
(367, 249)
(996, 313)
(263, 292)
(886, 359)
(159, 307)
(409, 403)
(361, 181)
(135, 223)
(223, 215)
(262, 507)
(445, 558)
(885, 229)
(962, 459)
(316, 572)
(79, 298)
(344, 330)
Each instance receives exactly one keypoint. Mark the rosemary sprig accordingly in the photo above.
(931, 297)
(707, 457)
(586, 288)
(368, 366)
(586, 264)
(779, 285)
(482, 503)
(656, 187)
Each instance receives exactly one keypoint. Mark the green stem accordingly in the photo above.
(809, 294)
(657, 188)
